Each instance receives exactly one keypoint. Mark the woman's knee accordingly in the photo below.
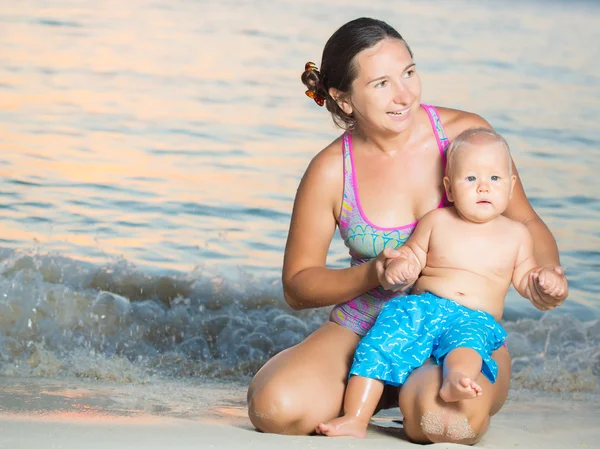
(304, 385)
(454, 427)
(272, 410)
(448, 424)
(444, 426)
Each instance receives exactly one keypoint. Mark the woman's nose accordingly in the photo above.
(401, 93)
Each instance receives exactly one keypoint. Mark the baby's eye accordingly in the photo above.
(470, 178)
(495, 178)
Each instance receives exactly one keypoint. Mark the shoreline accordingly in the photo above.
(74, 413)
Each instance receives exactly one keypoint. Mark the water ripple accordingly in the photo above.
(58, 23)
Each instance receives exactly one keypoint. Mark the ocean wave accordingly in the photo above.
(62, 317)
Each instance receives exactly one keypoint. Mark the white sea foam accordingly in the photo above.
(59, 317)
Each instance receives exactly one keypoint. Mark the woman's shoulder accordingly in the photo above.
(323, 179)
(327, 162)
(456, 121)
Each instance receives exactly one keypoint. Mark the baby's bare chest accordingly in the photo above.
(487, 253)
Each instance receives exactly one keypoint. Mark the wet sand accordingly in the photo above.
(40, 413)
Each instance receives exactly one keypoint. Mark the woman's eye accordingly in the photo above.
(381, 83)
(495, 178)
(470, 178)
(409, 73)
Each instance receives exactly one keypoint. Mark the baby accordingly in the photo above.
(467, 256)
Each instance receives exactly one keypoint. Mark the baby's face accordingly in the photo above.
(480, 184)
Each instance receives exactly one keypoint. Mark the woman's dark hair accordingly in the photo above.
(338, 68)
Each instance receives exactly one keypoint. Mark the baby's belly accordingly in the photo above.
(467, 288)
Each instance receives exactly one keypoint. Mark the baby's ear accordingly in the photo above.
(513, 179)
(449, 189)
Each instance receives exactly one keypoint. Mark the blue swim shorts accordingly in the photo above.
(410, 329)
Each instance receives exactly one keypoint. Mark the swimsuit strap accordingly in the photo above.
(441, 138)
(349, 201)
(438, 130)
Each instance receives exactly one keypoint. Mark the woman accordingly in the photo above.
(387, 169)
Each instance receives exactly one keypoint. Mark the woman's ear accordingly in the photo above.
(342, 100)
(448, 189)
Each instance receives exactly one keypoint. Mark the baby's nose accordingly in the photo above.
(483, 187)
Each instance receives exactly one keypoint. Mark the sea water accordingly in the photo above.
(150, 153)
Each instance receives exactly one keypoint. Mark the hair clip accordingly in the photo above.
(315, 96)
(319, 99)
(311, 66)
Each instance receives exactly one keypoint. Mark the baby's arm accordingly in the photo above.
(404, 270)
(525, 262)
(549, 281)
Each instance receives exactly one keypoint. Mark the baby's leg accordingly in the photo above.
(360, 401)
(461, 366)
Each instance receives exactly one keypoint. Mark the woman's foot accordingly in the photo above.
(457, 387)
(344, 426)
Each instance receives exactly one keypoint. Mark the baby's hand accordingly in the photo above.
(548, 287)
(400, 273)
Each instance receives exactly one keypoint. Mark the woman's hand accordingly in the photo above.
(548, 287)
(381, 262)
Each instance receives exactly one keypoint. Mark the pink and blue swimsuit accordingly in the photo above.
(366, 240)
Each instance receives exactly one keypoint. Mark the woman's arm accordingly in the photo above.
(545, 249)
(519, 209)
(307, 282)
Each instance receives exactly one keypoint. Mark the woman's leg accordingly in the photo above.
(304, 385)
(428, 418)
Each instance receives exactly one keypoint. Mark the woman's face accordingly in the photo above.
(387, 91)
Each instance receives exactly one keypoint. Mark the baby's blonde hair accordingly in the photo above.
(465, 137)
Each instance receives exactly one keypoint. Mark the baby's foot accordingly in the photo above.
(343, 426)
(457, 387)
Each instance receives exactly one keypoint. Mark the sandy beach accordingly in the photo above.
(41, 413)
